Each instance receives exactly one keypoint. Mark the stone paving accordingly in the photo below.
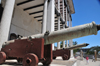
(57, 62)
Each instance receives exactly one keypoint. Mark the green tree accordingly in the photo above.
(74, 42)
(91, 50)
(61, 44)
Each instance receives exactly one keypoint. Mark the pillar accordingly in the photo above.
(44, 17)
(58, 44)
(6, 21)
(66, 25)
(50, 17)
(67, 43)
(70, 41)
(63, 24)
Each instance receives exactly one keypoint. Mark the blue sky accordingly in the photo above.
(87, 11)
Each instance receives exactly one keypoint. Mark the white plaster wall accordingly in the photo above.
(23, 24)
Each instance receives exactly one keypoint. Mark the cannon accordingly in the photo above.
(38, 48)
(65, 52)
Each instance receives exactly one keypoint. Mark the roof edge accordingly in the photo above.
(71, 6)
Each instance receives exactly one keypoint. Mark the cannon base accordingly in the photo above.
(64, 53)
(30, 52)
(27, 51)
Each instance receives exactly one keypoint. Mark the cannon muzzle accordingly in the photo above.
(98, 27)
(65, 34)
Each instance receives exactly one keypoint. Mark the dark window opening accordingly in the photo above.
(1, 11)
(13, 36)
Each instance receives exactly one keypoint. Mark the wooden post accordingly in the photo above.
(81, 55)
(95, 54)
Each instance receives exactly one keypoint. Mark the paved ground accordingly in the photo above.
(83, 63)
(57, 62)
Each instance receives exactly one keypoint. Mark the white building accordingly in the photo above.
(28, 17)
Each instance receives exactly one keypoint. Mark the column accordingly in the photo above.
(58, 44)
(66, 25)
(50, 17)
(44, 17)
(6, 21)
(63, 24)
(70, 41)
(67, 43)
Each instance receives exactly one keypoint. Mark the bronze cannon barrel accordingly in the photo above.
(77, 46)
(71, 33)
(66, 34)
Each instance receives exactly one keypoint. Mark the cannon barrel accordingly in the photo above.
(65, 34)
(77, 46)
